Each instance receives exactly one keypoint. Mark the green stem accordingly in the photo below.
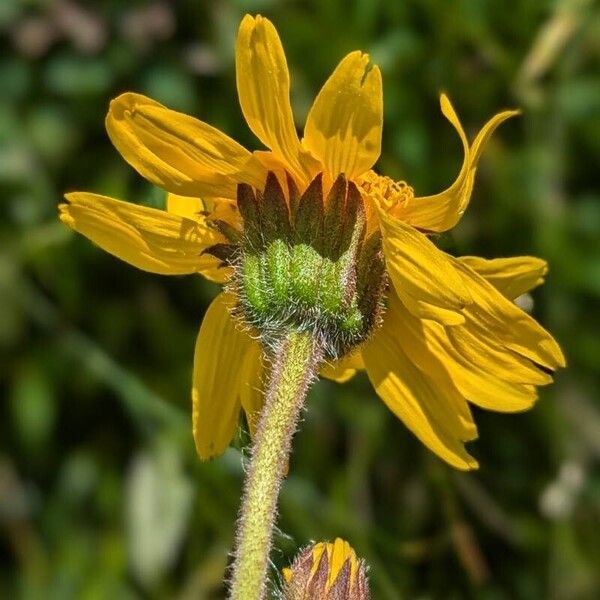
(294, 365)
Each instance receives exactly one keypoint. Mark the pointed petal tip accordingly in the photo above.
(203, 454)
(251, 21)
(447, 108)
(362, 57)
(117, 106)
(559, 357)
(65, 216)
(563, 359)
(440, 212)
(126, 104)
(64, 208)
(511, 276)
(472, 465)
(207, 456)
(465, 462)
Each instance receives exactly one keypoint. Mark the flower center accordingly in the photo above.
(388, 194)
(304, 262)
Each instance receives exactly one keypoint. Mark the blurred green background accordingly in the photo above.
(101, 494)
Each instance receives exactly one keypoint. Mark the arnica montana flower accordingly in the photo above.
(326, 571)
(306, 235)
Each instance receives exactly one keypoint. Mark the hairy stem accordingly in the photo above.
(293, 367)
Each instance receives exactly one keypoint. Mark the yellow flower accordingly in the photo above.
(326, 571)
(451, 333)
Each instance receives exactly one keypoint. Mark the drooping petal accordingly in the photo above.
(423, 276)
(438, 416)
(200, 209)
(430, 348)
(344, 369)
(493, 316)
(442, 211)
(147, 238)
(510, 276)
(221, 379)
(490, 352)
(263, 84)
(177, 152)
(344, 125)
(252, 384)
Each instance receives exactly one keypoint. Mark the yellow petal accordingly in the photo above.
(423, 276)
(252, 384)
(339, 553)
(433, 352)
(344, 125)
(344, 369)
(487, 350)
(177, 152)
(199, 209)
(435, 415)
(263, 84)
(492, 315)
(185, 206)
(336, 373)
(397, 318)
(326, 570)
(147, 238)
(425, 310)
(442, 211)
(510, 276)
(220, 379)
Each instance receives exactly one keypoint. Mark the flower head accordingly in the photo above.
(326, 571)
(307, 235)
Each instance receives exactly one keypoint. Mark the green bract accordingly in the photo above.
(304, 263)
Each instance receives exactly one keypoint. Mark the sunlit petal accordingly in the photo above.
(344, 125)
(423, 276)
(263, 84)
(493, 316)
(252, 385)
(221, 379)
(432, 350)
(177, 152)
(442, 211)
(438, 416)
(147, 238)
(510, 276)
(344, 369)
